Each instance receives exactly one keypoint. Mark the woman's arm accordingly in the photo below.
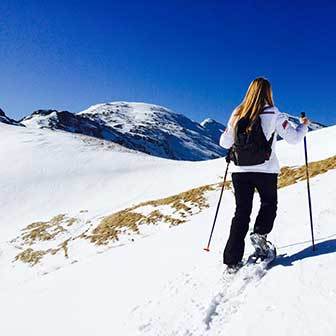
(292, 135)
(227, 138)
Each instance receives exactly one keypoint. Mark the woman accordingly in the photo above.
(257, 108)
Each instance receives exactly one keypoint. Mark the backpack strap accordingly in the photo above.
(266, 112)
(263, 111)
(270, 141)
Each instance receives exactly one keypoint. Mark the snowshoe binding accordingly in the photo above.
(264, 249)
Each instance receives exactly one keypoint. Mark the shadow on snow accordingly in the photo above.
(325, 247)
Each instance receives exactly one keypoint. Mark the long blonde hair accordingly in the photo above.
(258, 94)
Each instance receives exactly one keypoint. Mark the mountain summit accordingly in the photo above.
(214, 128)
(157, 130)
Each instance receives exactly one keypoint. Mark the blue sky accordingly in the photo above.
(195, 57)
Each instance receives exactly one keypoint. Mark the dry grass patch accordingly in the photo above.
(195, 197)
(182, 205)
(227, 185)
(43, 231)
(30, 256)
(111, 226)
(291, 175)
(33, 257)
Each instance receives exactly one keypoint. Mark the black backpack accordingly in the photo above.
(250, 148)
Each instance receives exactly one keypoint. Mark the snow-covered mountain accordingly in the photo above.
(61, 193)
(151, 129)
(6, 120)
(157, 130)
(213, 128)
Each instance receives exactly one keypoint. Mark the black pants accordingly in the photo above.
(244, 185)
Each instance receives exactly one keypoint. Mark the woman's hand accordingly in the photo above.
(304, 121)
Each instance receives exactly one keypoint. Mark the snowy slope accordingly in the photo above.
(48, 173)
(164, 284)
(67, 165)
(320, 145)
(298, 293)
(167, 285)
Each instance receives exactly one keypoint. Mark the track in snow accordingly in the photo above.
(194, 305)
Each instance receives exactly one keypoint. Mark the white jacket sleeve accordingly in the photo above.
(227, 138)
(287, 131)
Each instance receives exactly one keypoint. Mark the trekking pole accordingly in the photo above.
(308, 188)
(219, 201)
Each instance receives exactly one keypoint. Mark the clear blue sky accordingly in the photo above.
(196, 57)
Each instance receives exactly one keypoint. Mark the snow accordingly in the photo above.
(48, 173)
(134, 109)
(163, 283)
(320, 145)
(40, 121)
(138, 113)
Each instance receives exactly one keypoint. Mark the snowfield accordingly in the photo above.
(50, 172)
(163, 282)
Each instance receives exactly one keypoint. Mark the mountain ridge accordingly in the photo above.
(149, 128)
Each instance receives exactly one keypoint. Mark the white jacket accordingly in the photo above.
(271, 121)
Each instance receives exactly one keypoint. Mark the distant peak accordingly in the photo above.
(209, 121)
(126, 107)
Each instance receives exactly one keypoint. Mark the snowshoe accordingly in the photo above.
(264, 249)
